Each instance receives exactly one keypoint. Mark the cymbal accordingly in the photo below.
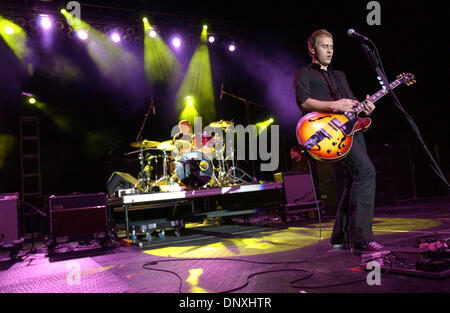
(145, 144)
(221, 124)
(169, 145)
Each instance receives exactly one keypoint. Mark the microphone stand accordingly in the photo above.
(375, 61)
(139, 138)
(247, 114)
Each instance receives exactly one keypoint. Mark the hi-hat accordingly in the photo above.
(221, 124)
(145, 144)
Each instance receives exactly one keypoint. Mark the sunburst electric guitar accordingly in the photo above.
(329, 136)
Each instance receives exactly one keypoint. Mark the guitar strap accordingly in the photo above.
(333, 93)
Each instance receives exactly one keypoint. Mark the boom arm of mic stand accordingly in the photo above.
(145, 121)
(242, 99)
(139, 137)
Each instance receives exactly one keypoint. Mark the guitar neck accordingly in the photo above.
(378, 95)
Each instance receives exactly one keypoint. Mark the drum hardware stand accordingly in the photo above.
(165, 176)
(143, 174)
(247, 114)
(231, 173)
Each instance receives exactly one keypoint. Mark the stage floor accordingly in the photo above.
(260, 253)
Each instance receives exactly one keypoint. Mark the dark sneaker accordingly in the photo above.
(368, 247)
(340, 246)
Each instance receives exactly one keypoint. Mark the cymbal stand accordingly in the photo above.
(231, 173)
(247, 113)
(143, 174)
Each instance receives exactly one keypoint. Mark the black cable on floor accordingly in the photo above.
(331, 285)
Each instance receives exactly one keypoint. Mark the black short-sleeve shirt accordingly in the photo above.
(313, 82)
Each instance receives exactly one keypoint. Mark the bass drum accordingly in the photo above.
(194, 169)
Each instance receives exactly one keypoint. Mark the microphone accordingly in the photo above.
(221, 91)
(353, 34)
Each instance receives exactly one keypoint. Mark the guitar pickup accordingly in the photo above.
(318, 136)
(337, 123)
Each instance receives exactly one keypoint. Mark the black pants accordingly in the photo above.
(355, 212)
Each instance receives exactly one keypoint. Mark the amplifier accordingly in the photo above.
(9, 218)
(299, 193)
(298, 187)
(78, 216)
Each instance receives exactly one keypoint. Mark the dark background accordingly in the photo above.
(105, 117)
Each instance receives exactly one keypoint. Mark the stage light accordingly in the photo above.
(9, 30)
(211, 39)
(189, 111)
(205, 27)
(32, 100)
(176, 42)
(189, 100)
(63, 11)
(232, 47)
(152, 33)
(145, 20)
(45, 22)
(261, 126)
(115, 37)
(82, 34)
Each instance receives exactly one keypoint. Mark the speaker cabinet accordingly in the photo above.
(9, 218)
(119, 180)
(79, 216)
(299, 193)
(298, 188)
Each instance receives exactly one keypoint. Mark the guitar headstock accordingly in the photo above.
(406, 78)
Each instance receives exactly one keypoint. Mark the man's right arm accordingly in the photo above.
(338, 106)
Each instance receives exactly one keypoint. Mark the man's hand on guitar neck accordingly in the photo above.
(368, 106)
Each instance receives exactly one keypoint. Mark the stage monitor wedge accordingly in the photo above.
(119, 180)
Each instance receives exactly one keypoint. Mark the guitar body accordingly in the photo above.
(336, 143)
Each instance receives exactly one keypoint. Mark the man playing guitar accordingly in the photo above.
(319, 88)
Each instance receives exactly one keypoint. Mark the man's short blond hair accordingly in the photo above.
(312, 41)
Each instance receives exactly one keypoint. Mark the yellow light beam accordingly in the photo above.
(194, 275)
(263, 125)
(161, 65)
(60, 120)
(197, 82)
(274, 241)
(15, 37)
(115, 63)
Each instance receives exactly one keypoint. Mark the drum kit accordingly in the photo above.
(199, 162)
